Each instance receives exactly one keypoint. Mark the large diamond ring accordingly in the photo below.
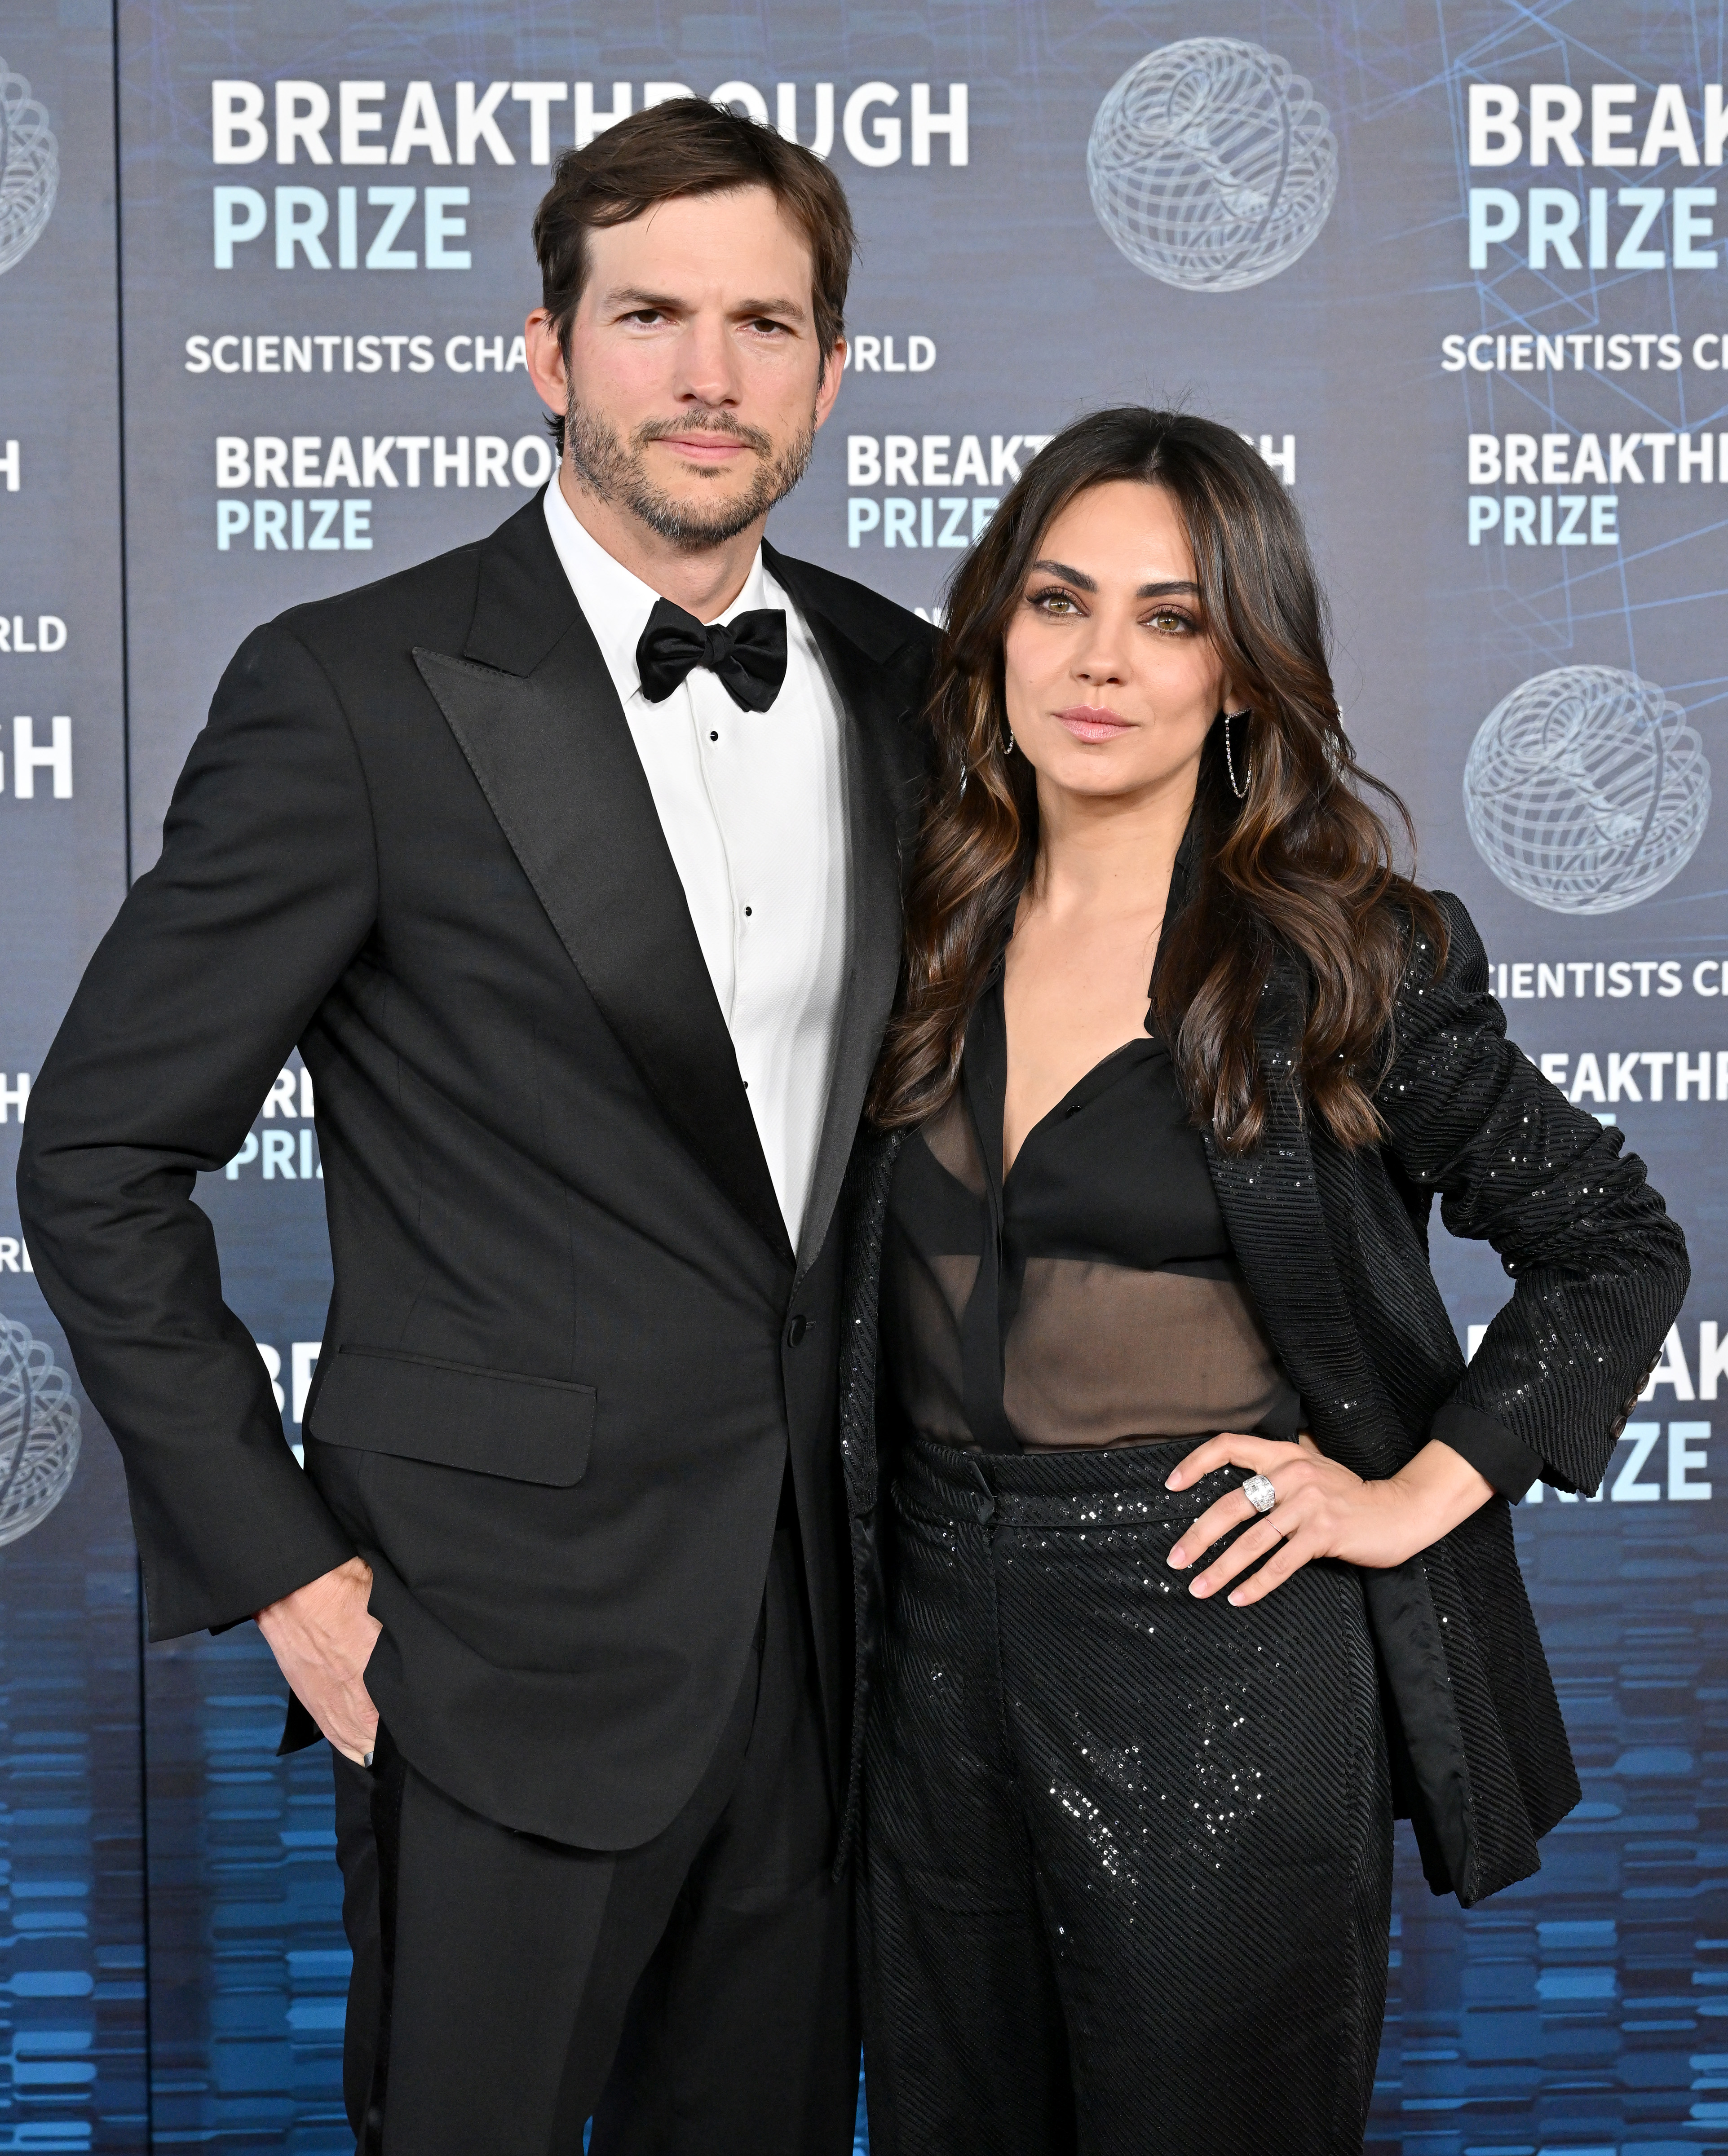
(1259, 1493)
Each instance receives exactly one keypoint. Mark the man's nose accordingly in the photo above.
(709, 374)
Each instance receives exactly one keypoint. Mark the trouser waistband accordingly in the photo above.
(1108, 1486)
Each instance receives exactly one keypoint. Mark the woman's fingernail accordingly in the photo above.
(1178, 1556)
(1234, 1601)
(1172, 1482)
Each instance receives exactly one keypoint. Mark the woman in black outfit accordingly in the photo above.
(1182, 1534)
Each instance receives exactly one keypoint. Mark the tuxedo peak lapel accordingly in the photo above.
(878, 659)
(877, 670)
(551, 748)
(876, 627)
(523, 601)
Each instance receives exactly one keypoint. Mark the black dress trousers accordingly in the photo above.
(1127, 1855)
(693, 1996)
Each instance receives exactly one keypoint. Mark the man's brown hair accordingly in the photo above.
(688, 146)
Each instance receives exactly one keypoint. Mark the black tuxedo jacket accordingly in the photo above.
(570, 1345)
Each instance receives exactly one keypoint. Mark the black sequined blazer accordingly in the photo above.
(1333, 1246)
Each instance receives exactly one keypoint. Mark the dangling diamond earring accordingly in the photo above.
(1229, 719)
(1009, 750)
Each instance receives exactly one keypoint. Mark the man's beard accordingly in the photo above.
(619, 476)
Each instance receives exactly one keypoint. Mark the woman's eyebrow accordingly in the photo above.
(1073, 576)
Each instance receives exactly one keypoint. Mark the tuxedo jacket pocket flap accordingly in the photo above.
(454, 1414)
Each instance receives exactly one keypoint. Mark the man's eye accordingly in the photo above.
(762, 322)
(646, 315)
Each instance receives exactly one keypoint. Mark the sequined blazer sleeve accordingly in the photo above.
(1598, 1268)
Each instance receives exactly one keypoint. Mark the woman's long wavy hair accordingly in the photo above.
(1302, 865)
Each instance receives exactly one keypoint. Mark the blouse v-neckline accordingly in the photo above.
(985, 1072)
(1092, 1283)
(985, 1060)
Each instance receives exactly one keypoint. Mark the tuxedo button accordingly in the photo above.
(795, 1330)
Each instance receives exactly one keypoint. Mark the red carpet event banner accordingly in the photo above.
(1458, 270)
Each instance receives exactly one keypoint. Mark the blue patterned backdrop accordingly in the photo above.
(1491, 377)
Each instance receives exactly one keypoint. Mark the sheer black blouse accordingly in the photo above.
(1090, 1299)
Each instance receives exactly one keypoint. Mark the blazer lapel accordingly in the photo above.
(1271, 1205)
(878, 685)
(533, 707)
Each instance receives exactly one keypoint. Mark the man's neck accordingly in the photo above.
(703, 582)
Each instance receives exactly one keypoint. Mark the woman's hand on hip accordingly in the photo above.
(1321, 1510)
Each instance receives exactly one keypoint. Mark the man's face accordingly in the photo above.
(694, 386)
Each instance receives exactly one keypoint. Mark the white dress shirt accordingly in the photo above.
(753, 808)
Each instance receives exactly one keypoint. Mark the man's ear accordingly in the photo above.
(828, 387)
(546, 369)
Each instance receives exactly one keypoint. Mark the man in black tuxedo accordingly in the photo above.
(570, 861)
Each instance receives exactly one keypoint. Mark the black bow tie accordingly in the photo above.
(747, 654)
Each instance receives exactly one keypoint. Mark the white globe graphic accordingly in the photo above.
(1586, 790)
(38, 1431)
(1212, 166)
(29, 169)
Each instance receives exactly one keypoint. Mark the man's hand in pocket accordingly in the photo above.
(322, 1637)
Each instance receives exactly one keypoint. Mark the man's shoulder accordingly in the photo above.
(426, 602)
(431, 603)
(879, 625)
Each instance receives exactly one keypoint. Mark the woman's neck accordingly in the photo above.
(1114, 853)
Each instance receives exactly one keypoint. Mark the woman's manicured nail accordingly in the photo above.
(1173, 1481)
(1178, 1556)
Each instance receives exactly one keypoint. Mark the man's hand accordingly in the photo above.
(322, 1637)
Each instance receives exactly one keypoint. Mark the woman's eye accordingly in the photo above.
(1054, 603)
(1169, 622)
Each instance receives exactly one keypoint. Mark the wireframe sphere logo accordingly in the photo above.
(29, 169)
(1586, 790)
(1212, 166)
(38, 1431)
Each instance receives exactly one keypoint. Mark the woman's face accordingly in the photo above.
(1112, 683)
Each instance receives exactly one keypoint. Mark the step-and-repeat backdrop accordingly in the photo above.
(1458, 268)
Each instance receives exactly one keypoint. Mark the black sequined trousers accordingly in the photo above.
(1126, 1865)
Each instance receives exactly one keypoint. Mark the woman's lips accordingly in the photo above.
(1092, 722)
